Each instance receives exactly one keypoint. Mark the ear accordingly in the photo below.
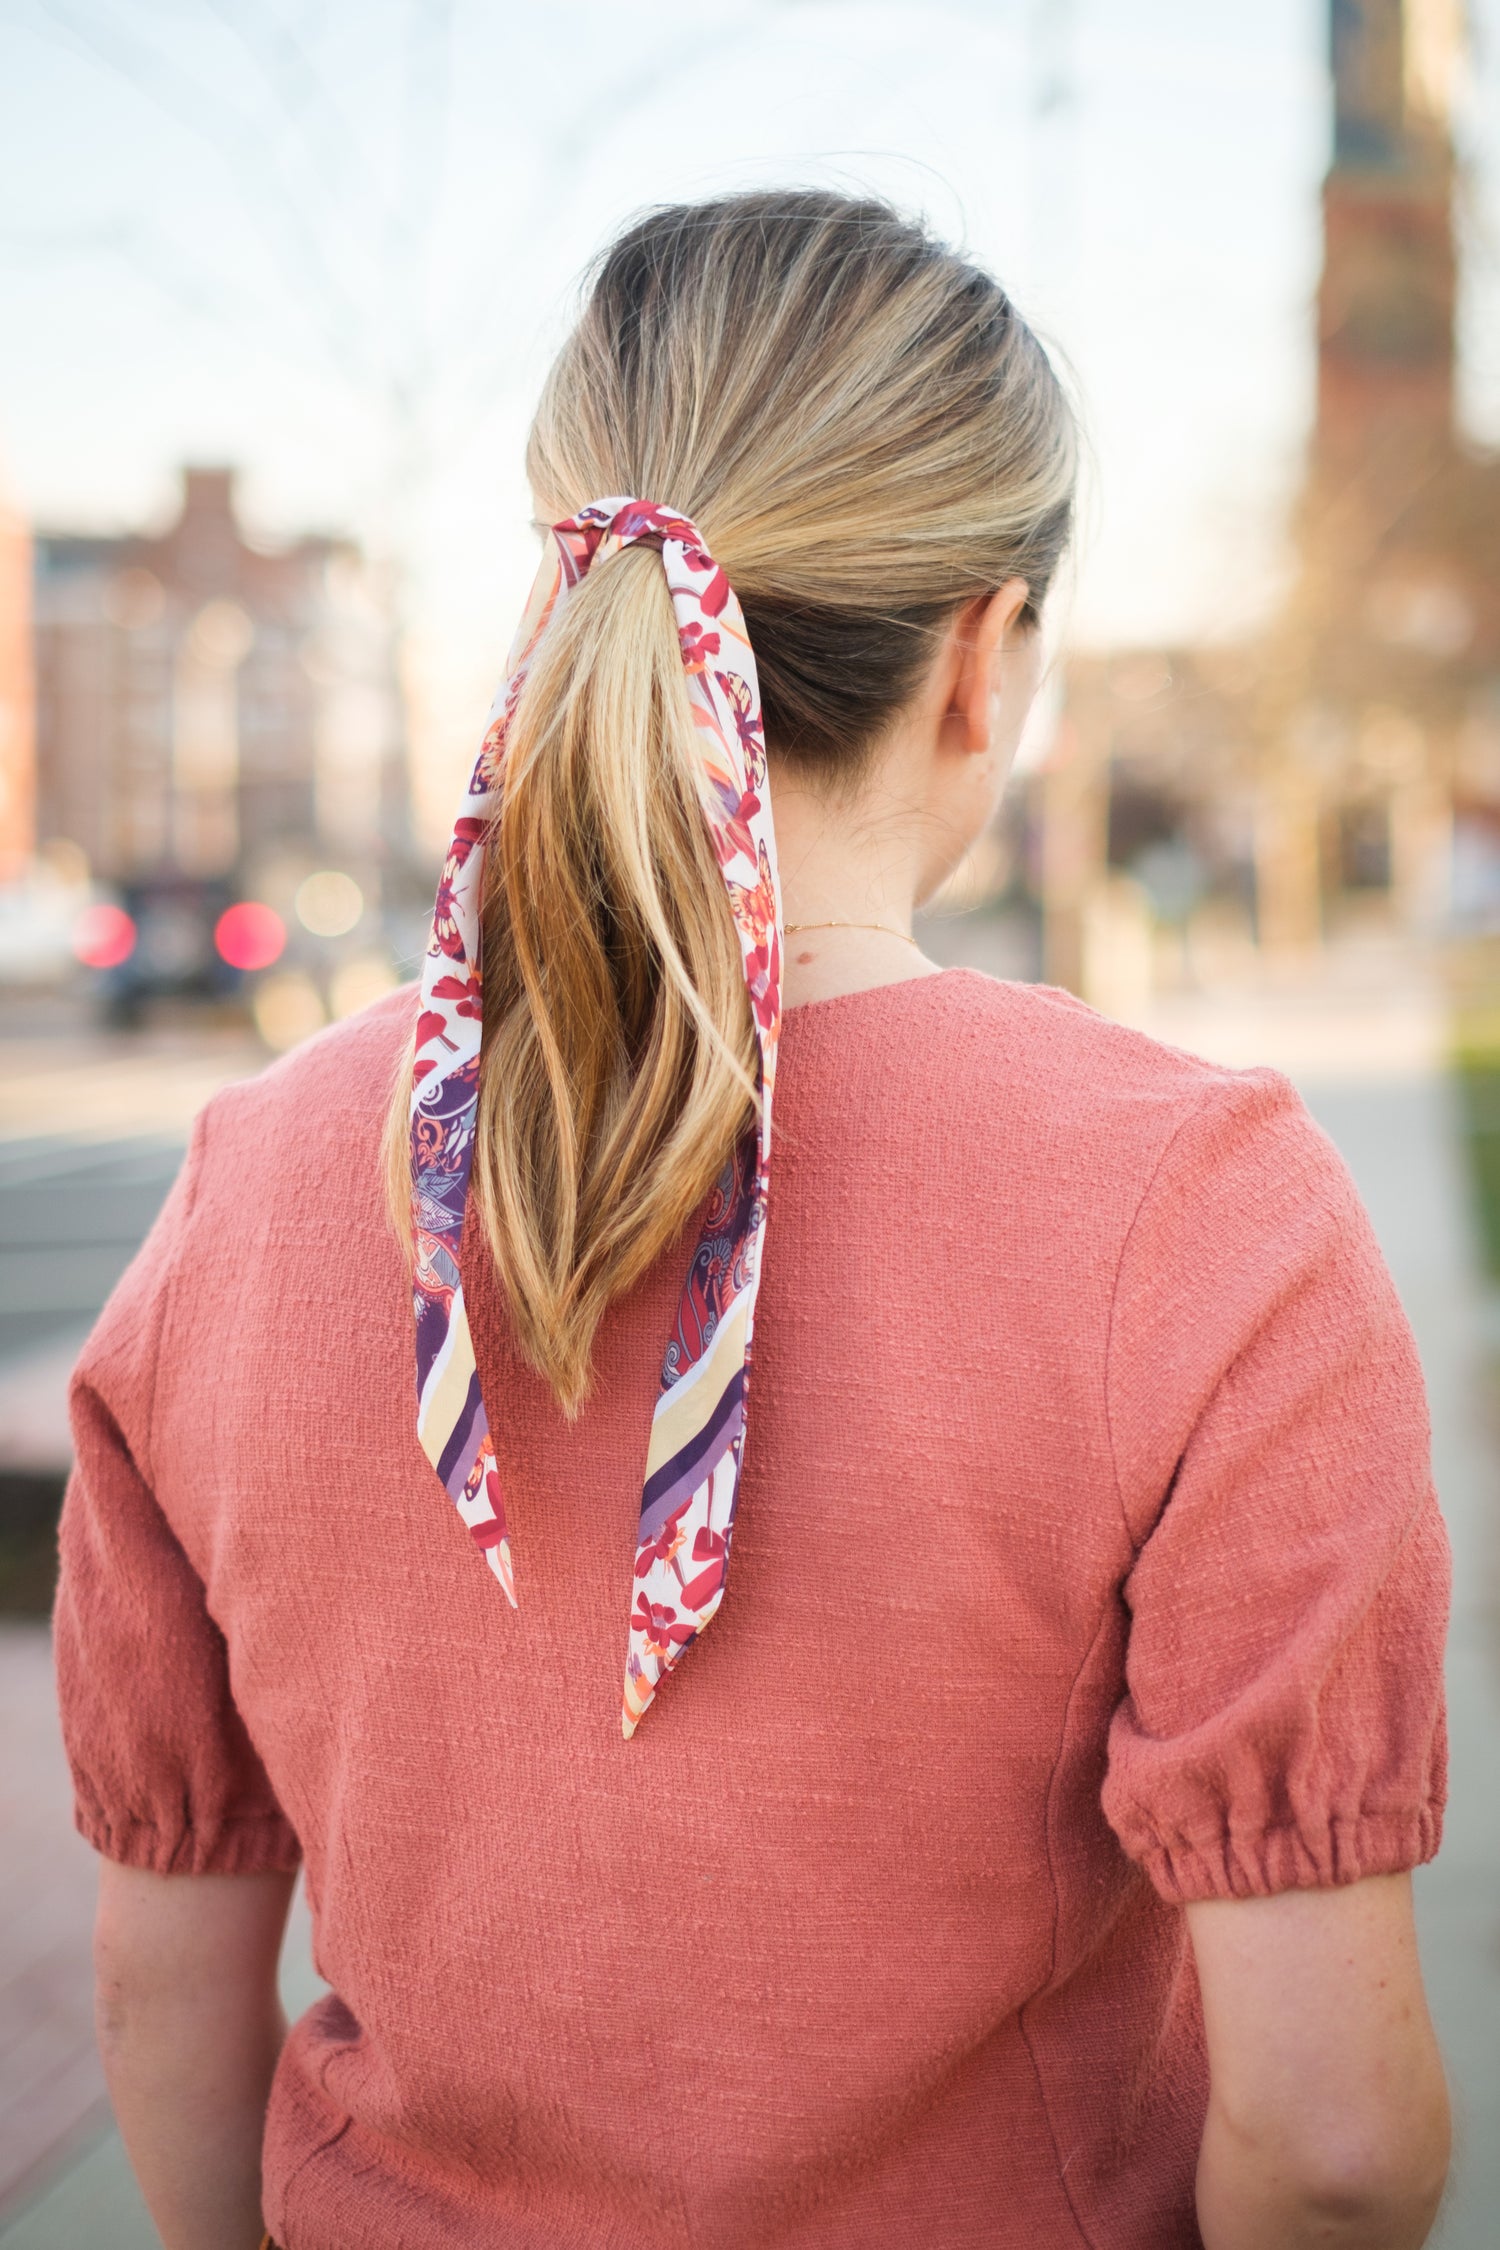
(981, 629)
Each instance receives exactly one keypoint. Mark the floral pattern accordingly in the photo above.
(698, 1429)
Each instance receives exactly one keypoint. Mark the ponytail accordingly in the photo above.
(618, 1064)
(617, 1070)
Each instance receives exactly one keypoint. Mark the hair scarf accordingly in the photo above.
(698, 1426)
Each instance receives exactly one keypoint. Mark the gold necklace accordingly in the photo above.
(793, 928)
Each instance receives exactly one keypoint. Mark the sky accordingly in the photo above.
(336, 241)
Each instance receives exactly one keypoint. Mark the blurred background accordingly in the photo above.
(278, 281)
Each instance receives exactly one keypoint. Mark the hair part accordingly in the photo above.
(867, 436)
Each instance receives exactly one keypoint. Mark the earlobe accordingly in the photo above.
(981, 631)
(979, 717)
(986, 655)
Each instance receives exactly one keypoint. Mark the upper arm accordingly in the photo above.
(175, 1942)
(1319, 2040)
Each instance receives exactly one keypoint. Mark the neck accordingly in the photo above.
(851, 864)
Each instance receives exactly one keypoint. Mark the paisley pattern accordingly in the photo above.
(698, 1428)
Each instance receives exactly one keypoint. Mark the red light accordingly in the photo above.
(250, 936)
(103, 936)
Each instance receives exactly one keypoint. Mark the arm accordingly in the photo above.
(190, 2026)
(1328, 2116)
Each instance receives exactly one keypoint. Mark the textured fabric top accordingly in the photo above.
(1087, 1562)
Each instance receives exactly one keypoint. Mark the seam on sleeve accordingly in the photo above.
(1114, 1295)
(1267, 1081)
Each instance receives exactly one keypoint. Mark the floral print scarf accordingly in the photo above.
(698, 1427)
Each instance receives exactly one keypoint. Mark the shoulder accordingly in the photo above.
(1235, 1197)
(1065, 1046)
(1109, 1095)
(1017, 1111)
(335, 1084)
(283, 1167)
(309, 1128)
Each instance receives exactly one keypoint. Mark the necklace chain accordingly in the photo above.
(889, 930)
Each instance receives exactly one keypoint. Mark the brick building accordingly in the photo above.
(207, 706)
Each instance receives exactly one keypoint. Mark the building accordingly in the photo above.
(1345, 769)
(17, 698)
(211, 708)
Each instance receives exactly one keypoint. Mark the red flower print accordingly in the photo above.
(660, 1626)
(700, 1591)
(729, 822)
(433, 1024)
(713, 1548)
(763, 981)
(642, 522)
(465, 990)
(712, 597)
(697, 646)
(755, 909)
(664, 1546)
(444, 926)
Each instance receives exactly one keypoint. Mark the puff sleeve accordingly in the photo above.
(1282, 1725)
(165, 1775)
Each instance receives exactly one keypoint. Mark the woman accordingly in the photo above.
(1011, 1847)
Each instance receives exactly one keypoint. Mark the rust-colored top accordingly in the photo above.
(1087, 1562)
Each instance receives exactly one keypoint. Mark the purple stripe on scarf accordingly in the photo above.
(432, 1334)
(457, 1457)
(686, 1470)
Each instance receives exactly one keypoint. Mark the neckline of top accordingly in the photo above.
(836, 1000)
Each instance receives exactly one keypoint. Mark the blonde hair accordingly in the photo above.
(867, 435)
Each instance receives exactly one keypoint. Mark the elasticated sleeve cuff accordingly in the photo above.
(1257, 1865)
(260, 1844)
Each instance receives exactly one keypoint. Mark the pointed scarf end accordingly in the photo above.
(640, 1694)
(498, 1558)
